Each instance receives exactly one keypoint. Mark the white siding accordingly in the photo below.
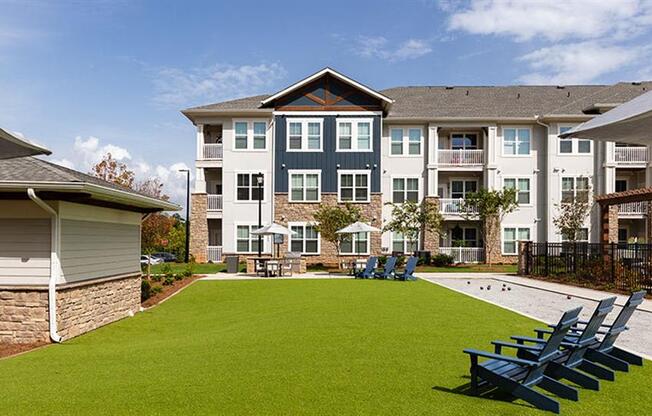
(92, 249)
(24, 251)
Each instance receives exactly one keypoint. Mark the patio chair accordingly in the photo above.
(286, 267)
(518, 376)
(368, 271)
(574, 349)
(408, 273)
(388, 270)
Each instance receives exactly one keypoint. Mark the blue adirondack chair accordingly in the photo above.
(604, 351)
(574, 350)
(388, 270)
(368, 271)
(518, 376)
(408, 273)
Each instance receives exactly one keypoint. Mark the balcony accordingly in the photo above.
(214, 254)
(213, 151)
(462, 158)
(631, 156)
(214, 203)
(632, 210)
(464, 254)
(452, 207)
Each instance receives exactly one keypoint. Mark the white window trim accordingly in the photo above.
(266, 184)
(405, 243)
(354, 134)
(354, 172)
(406, 141)
(575, 177)
(502, 237)
(303, 244)
(517, 128)
(250, 134)
(304, 172)
(575, 147)
(463, 179)
(517, 177)
(477, 139)
(354, 253)
(420, 185)
(304, 134)
(235, 238)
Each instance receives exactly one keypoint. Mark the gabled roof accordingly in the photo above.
(29, 172)
(319, 74)
(13, 146)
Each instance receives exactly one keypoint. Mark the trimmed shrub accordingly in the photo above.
(168, 281)
(442, 260)
(145, 290)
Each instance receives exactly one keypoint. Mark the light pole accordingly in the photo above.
(187, 172)
(259, 180)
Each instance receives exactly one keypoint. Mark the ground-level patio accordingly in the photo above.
(289, 346)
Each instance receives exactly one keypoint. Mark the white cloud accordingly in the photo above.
(577, 63)
(176, 87)
(524, 20)
(378, 47)
(88, 152)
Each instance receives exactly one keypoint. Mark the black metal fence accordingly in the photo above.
(621, 266)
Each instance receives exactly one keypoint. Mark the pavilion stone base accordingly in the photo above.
(81, 307)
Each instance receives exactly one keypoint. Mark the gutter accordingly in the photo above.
(55, 267)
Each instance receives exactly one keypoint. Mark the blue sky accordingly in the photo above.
(85, 77)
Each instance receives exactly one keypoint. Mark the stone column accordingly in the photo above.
(609, 224)
(430, 238)
(198, 227)
(522, 257)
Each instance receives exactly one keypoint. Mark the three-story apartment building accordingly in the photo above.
(329, 139)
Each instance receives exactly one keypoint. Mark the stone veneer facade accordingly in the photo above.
(199, 227)
(81, 307)
(285, 212)
(495, 242)
(430, 238)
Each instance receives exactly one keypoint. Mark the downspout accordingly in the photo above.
(55, 269)
(546, 212)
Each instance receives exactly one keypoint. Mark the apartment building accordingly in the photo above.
(328, 139)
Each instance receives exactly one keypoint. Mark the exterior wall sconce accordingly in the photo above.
(282, 165)
(337, 166)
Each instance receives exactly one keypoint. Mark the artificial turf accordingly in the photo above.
(289, 347)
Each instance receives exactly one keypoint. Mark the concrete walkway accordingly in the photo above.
(545, 301)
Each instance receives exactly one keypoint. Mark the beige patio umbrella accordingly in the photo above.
(358, 227)
(272, 229)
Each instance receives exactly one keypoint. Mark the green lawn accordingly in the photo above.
(310, 347)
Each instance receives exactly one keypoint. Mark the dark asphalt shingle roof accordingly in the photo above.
(33, 170)
(482, 101)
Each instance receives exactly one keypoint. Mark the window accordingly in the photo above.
(464, 237)
(409, 139)
(355, 244)
(304, 135)
(354, 135)
(260, 139)
(522, 186)
(464, 141)
(621, 185)
(623, 236)
(305, 186)
(461, 188)
(245, 241)
(573, 146)
(511, 235)
(305, 240)
(353, 186)
(516, 141)
(240, 135)
(573, 189)
(247, 187)
(250, 135)
(403, 245)
(405, 189)
(582, 236)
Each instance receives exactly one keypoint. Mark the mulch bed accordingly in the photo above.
(168, 290)
(7, 350)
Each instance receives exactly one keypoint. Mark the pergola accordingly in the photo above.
(630, 122)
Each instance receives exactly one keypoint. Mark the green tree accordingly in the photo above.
(412, 219)
(331, 218)
(571, 216)
(489, 207)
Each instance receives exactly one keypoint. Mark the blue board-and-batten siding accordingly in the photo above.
(328, 159)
